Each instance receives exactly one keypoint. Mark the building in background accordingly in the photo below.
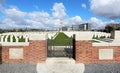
(79, 27)
(64, 28)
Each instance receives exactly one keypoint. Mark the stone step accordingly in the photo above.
(60, 61)
(60, 68)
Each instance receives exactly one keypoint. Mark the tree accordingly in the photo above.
(109, 29)
(118, 28)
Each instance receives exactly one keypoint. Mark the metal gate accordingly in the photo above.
(60, 48)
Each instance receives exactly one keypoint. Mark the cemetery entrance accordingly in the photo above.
(60, 46)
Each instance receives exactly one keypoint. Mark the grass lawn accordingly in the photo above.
(60, 40)
(22, 39)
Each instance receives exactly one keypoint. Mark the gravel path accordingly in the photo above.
(90, 68)
(102, 68)
(17, 68)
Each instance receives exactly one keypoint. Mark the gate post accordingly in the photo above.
(74, 47)
(38, 51)
(83, 47)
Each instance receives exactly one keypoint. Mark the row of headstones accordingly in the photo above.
(2, 39)
(102, 34)
(99, 35)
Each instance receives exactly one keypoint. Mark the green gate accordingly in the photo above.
(60, 46)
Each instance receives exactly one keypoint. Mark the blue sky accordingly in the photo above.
(72, 7)
(50, 14)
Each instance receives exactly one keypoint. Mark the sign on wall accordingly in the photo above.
(105, 54)
(16, 53)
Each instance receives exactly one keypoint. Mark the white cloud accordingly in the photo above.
(106, 8)
(71, 21)
(75, 20)
(15, 18)
(59, 11)
(83, 5)
(96, 23)
(34, 24)
(8, 24)
(14, 14)
(39, 16)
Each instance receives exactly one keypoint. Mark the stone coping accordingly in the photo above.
(14, 44)
(106, 44)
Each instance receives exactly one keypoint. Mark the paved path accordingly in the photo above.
(60, 65)
(17, 68)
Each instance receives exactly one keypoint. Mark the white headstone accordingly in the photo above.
(6, 38)
(11, 38)
(26, 38)
(16, 38)
(2, 37)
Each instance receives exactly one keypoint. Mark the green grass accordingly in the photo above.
(14, 40)
(8, 39)
(60, 40)
(4, 38)
(61, 35)
(22, 39)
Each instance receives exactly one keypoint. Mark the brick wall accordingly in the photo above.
(86, 53)
(83, 51)
(5, 54)
(38, 51)
(0, 54)
(116, 54)
(34, 53)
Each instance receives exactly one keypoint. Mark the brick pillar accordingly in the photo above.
(37, 51)
(83, 51)
(0, 54)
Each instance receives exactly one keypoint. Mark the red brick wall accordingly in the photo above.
(34, 53)
(5, 54)
(83, 51)
(116, 54)
(86, 53)
(38, 51)
(0, 54)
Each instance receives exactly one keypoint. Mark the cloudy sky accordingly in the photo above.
(50, 14)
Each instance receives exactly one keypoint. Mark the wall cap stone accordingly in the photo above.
(14, 44)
